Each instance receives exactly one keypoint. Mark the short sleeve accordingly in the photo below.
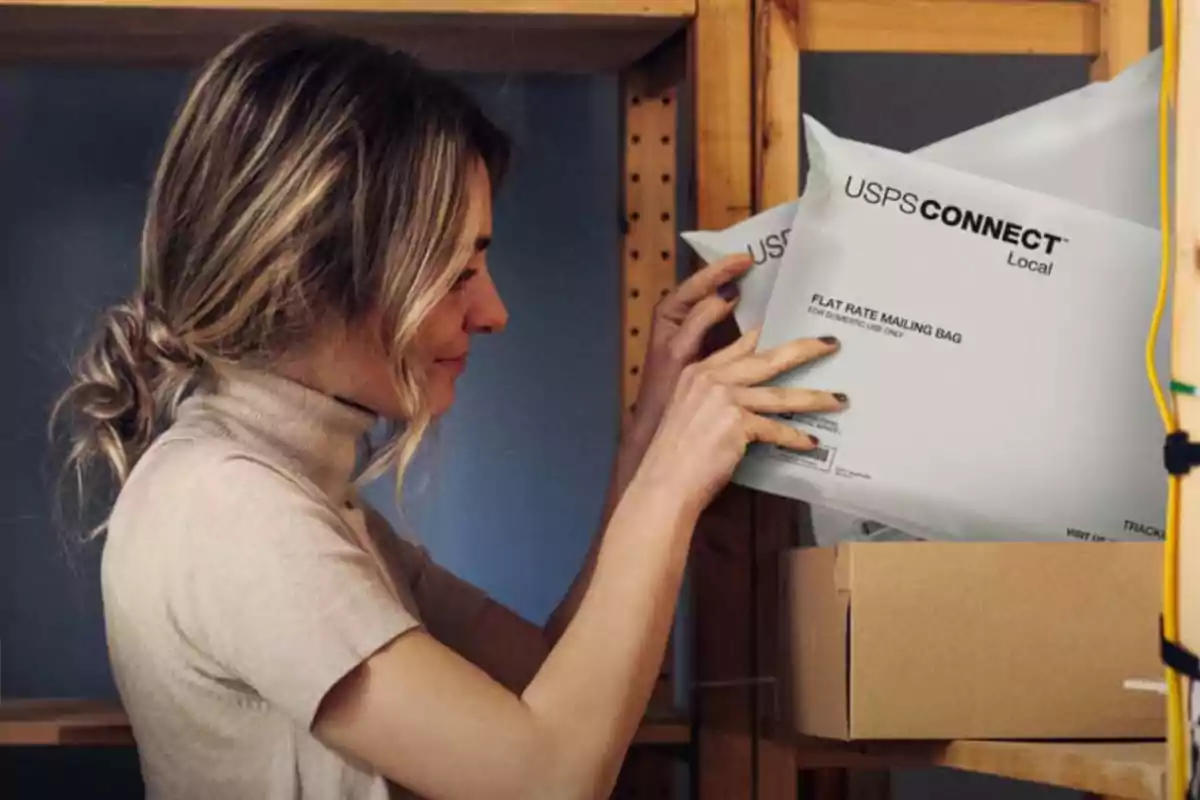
(452, 609)
(276, 590)
(461, 615)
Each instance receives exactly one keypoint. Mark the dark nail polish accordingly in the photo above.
(841, 398)
(829, 339)
(729, 291)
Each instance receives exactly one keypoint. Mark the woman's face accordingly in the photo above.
(473, 306)
(444, 340)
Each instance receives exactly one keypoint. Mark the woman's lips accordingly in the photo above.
(456, 364)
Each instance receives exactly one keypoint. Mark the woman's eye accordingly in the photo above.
(464, 277)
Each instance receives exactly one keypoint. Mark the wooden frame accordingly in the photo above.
(464, 35)
(742, 58)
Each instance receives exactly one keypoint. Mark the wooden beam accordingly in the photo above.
(1124, 36)
(649, 224)
(649, 217)
(1185, 335)
(558, 8)
(72, 721)
(1050, 27)
(460, 35)
(777, 106)
(725, 699)
(649, 132)
(776, 157)
(746, 69)
(40, 723)
(721, 67)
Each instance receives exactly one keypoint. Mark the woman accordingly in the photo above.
(314, 261)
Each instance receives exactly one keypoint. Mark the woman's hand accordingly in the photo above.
(681, 321)
(716, 412)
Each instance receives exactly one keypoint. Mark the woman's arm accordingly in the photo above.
(437, 724)
(460, 615)
(431, 721)
(681, 321)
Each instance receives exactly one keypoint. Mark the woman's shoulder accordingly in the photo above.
(194, 474)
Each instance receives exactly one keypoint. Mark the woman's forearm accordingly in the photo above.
(594, 686)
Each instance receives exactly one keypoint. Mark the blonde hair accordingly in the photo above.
(309, 178)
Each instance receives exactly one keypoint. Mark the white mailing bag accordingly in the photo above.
(992, 352)
(1096, 146)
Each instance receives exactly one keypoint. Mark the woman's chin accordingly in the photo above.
(441, 399)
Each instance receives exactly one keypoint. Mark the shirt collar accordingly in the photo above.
(315, 435)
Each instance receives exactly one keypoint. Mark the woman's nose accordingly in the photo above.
(488, 313)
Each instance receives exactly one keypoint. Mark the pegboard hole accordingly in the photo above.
(666, 140)
(666, 216)
(635, 177)
(637, 101)
(636, 139)
(666, 255)
(635, 294)
(634, 254)
(634, 331)
(633, 370)
(666, 292)
(666, 178)
(635, 216)
(666, 101)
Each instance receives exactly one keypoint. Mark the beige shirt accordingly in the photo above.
(242, 580)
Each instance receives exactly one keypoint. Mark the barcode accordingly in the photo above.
(820, 454)
(819, 457)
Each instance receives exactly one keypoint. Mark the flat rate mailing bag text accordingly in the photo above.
(1096, 146)
(992, 352)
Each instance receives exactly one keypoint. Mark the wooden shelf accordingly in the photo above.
(1126, 770)
(63, 722)
(663, 728)
(99, 722)
(1045, 27)
(461, 35)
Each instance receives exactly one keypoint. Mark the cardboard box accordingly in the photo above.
(949, 640)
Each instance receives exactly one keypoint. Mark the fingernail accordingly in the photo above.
(814, 439)
(829, 339)
(728, 291)
(841, 398)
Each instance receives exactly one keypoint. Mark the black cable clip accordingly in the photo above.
(1177, 657)
(1180, 454)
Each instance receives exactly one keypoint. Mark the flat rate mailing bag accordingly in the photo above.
(1096, 146)
(1063, 146)
(992, 352)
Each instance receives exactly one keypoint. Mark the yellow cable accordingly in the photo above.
(1176, 712)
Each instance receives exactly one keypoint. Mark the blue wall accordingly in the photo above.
(509, 491)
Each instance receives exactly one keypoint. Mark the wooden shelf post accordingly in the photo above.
(1185, 339)
(723, 637)
(746, 73)
(1124, 36)
(649, 225)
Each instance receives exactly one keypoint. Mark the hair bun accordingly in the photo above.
(159, 340)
